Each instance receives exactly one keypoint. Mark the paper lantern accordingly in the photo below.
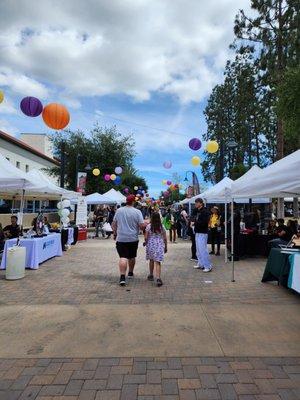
(126, 190)
(31, 106)
(136, 199)
(59, 205)
(164, 181)
(65, 212)
(147, 194)
(56, 116)
(166, 194)
(96, 171)
(195, 144)
(66, 203)
(113, 177)
(195, 161)
(1, 96)
(107, 177)
(212, 146)
(167, 164)
(135, 188)
(118, 170)
(118, 180)
(169, 183)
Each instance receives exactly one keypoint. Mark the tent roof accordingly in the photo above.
(97, 198)
(113, 194)
(11, 178)
(280, 179)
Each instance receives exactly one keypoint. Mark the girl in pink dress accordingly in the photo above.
(156, 247)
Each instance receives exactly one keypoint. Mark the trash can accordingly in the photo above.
(15, 263)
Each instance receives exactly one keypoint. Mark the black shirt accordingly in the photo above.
(201, 218)
(99, 215)
(288, 234)
(14, 231)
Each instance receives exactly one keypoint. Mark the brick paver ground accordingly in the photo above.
(87, 275)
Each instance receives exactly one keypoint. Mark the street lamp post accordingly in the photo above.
(62, 163)
(196, 186)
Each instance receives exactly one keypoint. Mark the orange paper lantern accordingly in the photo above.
(56, 116)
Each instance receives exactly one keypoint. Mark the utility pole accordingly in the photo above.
(62, 163)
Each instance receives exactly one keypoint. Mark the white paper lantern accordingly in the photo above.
(66, 203)
(118, 170)
(65, 212)
(65, 220)
(59, 205)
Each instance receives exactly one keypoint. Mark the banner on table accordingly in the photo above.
(81, 215)
(81, 182)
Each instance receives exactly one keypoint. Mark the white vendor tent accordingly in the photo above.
(116, 196)
(11, 178)
(97, 198)
(280, 179)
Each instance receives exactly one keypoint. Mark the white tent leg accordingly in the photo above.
(226, 218)
(232, 240)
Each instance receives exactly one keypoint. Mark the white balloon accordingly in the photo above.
(65, 212)
(66, 203)
(59, 205)
(65, 220)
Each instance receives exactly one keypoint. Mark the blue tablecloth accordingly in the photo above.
(294, 275)
(38, 250)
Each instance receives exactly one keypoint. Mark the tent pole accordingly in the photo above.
(226, 217)
(232, 240)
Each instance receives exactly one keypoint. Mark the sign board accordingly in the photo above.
(81, 215)
(81, 182)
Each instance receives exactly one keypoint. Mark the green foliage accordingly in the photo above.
(288, 106)
(237, 171)
(103, 148)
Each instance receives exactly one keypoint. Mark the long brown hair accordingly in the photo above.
(156, 226)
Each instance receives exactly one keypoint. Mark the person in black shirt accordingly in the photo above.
(13, 230)
(99, 220)
(284, 234)
(201, 218)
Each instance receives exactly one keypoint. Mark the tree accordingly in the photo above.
(288, 107)
(274, 34)
(104, 148)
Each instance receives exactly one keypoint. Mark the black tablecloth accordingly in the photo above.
(254, 245)
(277, 267)
(65, 234)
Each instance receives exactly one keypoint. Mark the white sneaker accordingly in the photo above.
(207, 269)
(197, 267)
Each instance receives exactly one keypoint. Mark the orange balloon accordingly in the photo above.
(56, 116)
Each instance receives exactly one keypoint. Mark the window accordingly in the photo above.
(27, 168)
(18, 164)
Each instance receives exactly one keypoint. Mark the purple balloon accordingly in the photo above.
(31, 106)
(167, 164)
(195, 144)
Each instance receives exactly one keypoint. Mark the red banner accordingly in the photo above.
(81, 182)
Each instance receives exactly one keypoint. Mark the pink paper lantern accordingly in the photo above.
(107, 177)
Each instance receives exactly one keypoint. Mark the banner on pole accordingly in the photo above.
(81, 182)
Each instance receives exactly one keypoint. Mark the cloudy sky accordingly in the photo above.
(139, 64)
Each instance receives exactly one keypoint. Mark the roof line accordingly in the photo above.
(25, 146)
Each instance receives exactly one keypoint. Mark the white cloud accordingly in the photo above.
(7, 107)
(100, 47)
(7, 127)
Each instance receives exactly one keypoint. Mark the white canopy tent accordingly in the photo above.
(97, 198)
(11, 178)
(116, 196)
(279, 179)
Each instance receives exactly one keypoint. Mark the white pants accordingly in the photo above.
(201, 249)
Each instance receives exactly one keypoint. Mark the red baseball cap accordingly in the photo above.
(130, 199)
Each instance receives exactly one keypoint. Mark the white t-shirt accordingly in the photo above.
(128, 224)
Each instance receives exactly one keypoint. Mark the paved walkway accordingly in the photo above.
(68, 331)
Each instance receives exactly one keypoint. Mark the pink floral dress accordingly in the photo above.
(155, 247)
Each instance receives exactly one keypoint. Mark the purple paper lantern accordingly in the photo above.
(195, 144)
(126, 190)
(31, 106)
(167, 164)
(169, 183)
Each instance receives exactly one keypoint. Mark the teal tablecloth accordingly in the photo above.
(277, 268)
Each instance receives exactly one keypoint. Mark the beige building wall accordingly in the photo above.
(38, 141)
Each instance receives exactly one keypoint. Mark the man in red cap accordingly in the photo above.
(126, 227)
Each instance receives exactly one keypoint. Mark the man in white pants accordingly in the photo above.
(201, 218)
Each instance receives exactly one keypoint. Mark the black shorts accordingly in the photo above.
(127, 249)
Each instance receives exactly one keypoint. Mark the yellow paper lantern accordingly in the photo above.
(164, 181)
(113, 177)
(96, 171)
(136, 199)
(135, 188)
(1, 96)
(195, 161)
(212, 146)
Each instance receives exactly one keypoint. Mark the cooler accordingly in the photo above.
(15, 265)
(82, 234)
